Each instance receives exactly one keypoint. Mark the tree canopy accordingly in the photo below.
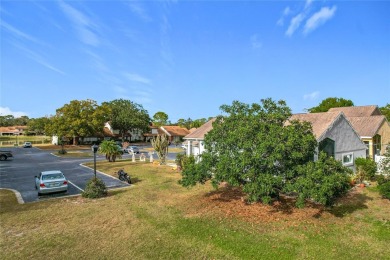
(251, 146)
(189, 123)
(38, 125)
(79, 118)
(329, 103)
(160, 118)
(126, 116)
(10, 120)
(386, 111)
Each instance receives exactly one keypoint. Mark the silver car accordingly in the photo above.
(132, 149)
(27, 145)
(51, 181)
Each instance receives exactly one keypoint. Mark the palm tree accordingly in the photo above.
(110, 149)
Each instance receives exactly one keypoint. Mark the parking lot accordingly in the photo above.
(18, 173)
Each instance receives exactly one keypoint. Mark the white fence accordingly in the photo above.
(378, 160)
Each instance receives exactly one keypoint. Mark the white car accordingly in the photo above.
(51, 181)
(27, 145)
(132, 149)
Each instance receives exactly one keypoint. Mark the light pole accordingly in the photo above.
(94, 150)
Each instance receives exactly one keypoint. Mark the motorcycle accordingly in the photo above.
(123, 176)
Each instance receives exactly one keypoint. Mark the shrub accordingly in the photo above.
(322, 181)
(381, 179)
(95, 189)
(384, 189)
(366, 169)
(62, 151)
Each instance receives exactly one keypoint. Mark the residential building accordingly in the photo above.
(174, 133)
(195, 140)
(335, 136)
(372, 127)
(13, 130)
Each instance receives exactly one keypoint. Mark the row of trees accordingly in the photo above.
(86, 118)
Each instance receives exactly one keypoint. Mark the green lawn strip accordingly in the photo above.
(149, 221)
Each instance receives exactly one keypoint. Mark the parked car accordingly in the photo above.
(27, 145)
(4, 155)
(132, 149)
(51, 181)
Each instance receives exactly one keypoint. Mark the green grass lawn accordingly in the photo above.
(158, 219)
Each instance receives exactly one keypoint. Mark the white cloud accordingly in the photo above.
(5, 111)
(319, 18)
(294, 24)
(137, 78)
(308, 3)
(255, 42)
(286, 12)
(85, 28)
(19, 34)
(312, 96)
(39, 59)
(138, 10)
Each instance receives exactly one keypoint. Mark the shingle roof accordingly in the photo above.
(174, 130)
(201, 131)
(320, 122)
(367, 125)
(357, 111)
(13, 129)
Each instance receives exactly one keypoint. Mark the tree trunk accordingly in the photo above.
(75, 140)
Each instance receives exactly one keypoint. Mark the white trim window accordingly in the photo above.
(347, 159)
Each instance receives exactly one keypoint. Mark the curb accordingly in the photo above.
(17, 194)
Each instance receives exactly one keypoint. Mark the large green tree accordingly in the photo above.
(386, 111)
(252, 147)
(189, 123)
(127, 116)
(38, 125)
(160, 118)
(79, 118)
(329, 103)
(10, 120)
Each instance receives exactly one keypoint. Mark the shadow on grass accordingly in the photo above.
(135, 180)
(349, 204)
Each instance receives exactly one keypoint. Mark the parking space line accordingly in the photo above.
(76, 186)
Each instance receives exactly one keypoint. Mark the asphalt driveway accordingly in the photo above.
(18, 173)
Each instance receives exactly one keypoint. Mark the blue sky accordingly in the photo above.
(187, 58)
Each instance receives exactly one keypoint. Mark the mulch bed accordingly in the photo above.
(230, 203)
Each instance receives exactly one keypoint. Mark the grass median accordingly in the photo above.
(156, 218)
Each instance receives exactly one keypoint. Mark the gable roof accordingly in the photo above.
(320, 122)
(358, 111)
(201, 131)
(174, 130)
(367, 126)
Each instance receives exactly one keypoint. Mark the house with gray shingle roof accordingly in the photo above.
(335, 136)
(372, 127)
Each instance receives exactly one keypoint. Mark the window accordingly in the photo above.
(327, 146)
(377, 144)
(347, 159)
